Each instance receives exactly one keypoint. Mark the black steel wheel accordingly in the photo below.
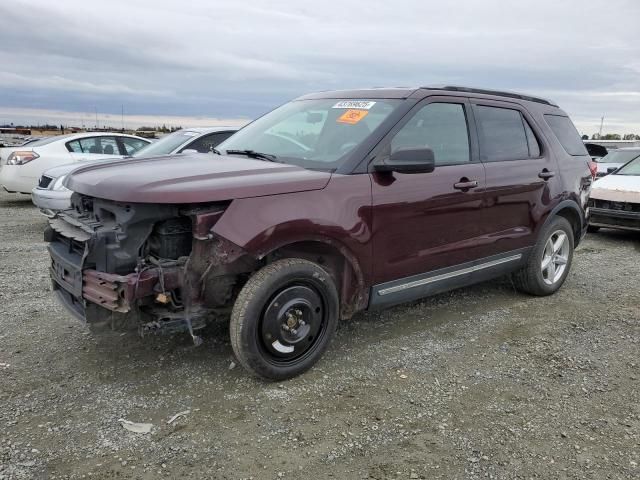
(284, 319)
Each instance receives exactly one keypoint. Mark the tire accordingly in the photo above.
(293, 302)
(593, 229)
(534, 279)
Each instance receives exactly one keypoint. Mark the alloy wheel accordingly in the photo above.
(555, 257)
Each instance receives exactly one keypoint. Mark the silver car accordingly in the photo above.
(51, 196)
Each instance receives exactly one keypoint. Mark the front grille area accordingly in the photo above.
(45, 181)
(619, 206)
(72, 245)
(604, 220)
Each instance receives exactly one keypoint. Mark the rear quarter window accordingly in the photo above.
(566, 134)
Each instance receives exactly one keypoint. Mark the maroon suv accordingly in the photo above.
(333, 203)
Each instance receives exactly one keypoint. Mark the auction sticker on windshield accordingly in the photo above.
(352, 116)
(359, 104)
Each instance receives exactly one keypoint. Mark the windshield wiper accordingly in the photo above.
(254, 154)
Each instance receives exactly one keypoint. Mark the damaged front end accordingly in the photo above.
(618, 214)
(154, 268)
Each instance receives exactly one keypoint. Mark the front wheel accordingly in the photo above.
(284, 319)
(549, 262)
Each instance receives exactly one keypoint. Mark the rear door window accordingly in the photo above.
(109, 146)
(502, 134)
(102, 145)
(131, 145)
(74, 146)
(567, 134)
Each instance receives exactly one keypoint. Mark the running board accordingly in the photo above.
(437, 281)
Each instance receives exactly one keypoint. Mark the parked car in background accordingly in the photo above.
(615, 159)
(595, 151)
(330, 204)
(50, 195)
(17, 142)
(615, 199)
(22, 167)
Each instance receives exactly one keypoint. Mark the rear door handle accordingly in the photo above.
(546, 174)
(465, 184)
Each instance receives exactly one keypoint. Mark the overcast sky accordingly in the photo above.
(229, 61)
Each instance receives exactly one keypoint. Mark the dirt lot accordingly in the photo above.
(479, 383)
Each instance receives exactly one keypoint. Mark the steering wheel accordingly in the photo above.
(347, 146)
(296, 143)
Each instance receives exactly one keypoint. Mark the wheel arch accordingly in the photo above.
(341, 264)
(571, 211)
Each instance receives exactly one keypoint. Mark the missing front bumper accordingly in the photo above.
(609, 218)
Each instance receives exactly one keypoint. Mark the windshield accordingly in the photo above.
(631, 168)
(312, 133)
(167, 144)
(619, 156)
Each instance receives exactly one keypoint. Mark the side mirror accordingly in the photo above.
(189, 150)
(611, 169)
(408, 160)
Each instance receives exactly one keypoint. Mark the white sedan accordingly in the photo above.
(615, 199)
(21, 167)
(615, 159)
(51, 195)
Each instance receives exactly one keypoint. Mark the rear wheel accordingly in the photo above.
(284, 319)
(549, 262)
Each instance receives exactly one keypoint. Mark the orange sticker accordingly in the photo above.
(352, 116)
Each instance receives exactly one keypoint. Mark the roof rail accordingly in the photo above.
(455, 88)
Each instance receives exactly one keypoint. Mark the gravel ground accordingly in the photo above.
(482, 382)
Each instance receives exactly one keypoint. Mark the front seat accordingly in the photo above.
(108, 150)
(94, 149)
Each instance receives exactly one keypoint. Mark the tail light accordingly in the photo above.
(593, 168)
(21, 157)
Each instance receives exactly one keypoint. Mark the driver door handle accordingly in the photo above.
(465, 184)
(546, 174)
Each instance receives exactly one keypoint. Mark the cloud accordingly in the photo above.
(8, 79)
(32, 116)
(239, 59)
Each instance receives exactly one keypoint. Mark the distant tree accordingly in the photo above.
(595, 136)
(630, 136)
(585, 137)
(611, 136)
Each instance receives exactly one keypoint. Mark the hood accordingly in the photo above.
(59, 171)
(195, 178)
(617, 188)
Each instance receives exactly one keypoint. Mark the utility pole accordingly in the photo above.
(122, 116)
(96, 109)
(601, 122)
